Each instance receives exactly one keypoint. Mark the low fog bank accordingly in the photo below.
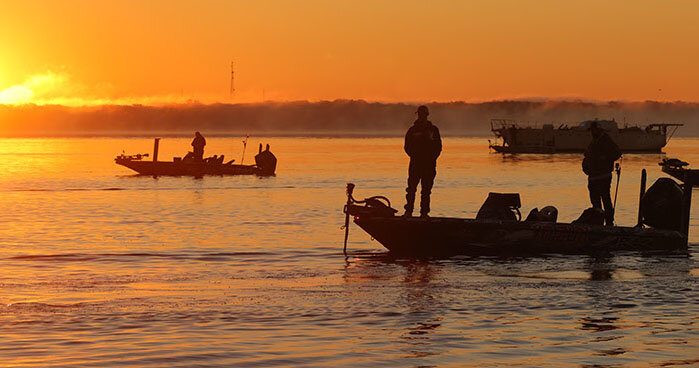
(340, 117)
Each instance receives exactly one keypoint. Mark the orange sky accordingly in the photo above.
(91, 52)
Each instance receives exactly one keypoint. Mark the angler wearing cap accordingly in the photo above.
(423, 144)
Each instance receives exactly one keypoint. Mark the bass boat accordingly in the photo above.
(498, 230)
(265, 164)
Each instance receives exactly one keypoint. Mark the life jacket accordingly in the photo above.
(422, 141)
(600, 156)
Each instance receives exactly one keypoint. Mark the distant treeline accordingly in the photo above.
(340, 117)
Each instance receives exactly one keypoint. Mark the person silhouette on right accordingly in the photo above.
(598, 165)
(423, 144)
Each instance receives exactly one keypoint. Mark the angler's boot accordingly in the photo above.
(409, 203)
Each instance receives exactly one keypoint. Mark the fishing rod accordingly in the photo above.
(617, 168)
(245, 144)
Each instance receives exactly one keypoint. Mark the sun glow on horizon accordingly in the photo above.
(164, 52)
(16, 95)
(57, 88)
(35, 88)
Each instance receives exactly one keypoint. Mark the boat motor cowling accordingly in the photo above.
(661, 205)
(266, 161)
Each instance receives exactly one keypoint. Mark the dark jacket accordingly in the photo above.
(198, 143)
(600, 156)
(422, 142)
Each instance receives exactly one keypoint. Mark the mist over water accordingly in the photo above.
(104, 268)
(329, 118)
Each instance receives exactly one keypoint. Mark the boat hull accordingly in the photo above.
(451, 236)
(685, 175)
(164, 168)
(522, 149)
(547, 139)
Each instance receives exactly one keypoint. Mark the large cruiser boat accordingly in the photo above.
(559, 139)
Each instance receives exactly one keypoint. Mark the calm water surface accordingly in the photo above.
(103, 268)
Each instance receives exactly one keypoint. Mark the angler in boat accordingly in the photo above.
(423, 144)
(498, 229)
(194, 164)
(198, 144)
(598, 165)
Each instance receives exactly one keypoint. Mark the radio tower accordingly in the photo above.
(232, 86)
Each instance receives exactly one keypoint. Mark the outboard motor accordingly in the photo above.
(500, 206)
(266, 161)
(661, 205)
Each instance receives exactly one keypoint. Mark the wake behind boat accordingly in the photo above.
(265, 164)
(663, 225)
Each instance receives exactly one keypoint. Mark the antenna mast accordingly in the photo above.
(232, 86)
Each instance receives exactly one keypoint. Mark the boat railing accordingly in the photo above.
(499, 124)
(136, 157)
(666, 129)
(496, 124)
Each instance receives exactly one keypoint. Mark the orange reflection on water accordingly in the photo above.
(101, 265)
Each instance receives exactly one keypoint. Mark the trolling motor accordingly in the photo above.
(377, 206)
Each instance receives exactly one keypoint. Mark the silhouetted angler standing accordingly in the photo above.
(598, 164)
(198, 144)
(423, 144)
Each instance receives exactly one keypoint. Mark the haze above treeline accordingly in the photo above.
(333, 118)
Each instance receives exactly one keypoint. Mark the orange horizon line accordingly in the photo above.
(473, 102)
